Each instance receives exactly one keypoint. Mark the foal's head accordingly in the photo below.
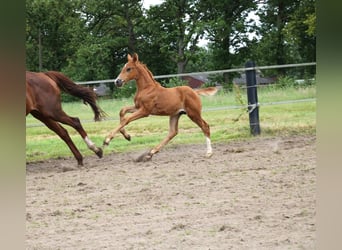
(128, 72)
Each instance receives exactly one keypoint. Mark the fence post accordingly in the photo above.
(252, 96)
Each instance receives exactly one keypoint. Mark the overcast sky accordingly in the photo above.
(147, 3)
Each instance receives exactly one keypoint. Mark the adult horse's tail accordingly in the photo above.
(86, 94)
(207, 91)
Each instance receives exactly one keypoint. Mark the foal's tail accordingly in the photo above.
(207, 91)
(86, 94)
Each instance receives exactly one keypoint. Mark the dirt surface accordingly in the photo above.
(253, 194)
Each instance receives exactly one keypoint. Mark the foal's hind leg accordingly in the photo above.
(62, 133)
(76, 124)
(173, 131)
(196, 118)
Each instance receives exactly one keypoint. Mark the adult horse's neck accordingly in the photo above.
(145, 79)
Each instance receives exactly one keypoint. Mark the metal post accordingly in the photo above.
(252, 96)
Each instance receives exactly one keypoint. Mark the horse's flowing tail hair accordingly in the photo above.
(86, 94)
(207, 91)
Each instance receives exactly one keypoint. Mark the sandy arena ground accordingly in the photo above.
(254, 194)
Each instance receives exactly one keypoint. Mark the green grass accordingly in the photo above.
(275, 120)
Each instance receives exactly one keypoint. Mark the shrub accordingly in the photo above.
(128, 90)
(285, 81)
(173, 82)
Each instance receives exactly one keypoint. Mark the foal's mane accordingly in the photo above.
(149, 72)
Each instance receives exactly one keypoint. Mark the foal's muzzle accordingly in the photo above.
(118, 82)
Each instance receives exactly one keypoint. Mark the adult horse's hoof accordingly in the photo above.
(79, 160)
(99, 152)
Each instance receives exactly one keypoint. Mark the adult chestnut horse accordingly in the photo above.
(43, 101)
(153, 99)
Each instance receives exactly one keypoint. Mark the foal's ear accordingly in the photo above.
(135, 57)
(129, 58)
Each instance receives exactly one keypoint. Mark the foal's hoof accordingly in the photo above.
(144, 157)
(128, 137)
(99, 152)
(105, 144)
(208, 155)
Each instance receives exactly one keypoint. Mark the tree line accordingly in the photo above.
(89, 40)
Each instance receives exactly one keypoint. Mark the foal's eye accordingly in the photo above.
(128, 69)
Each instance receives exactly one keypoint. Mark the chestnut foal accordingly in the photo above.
(153, 99)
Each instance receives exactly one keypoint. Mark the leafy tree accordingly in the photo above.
(300, 32)
(227, 30)
(176, 26)
(274, 15)
(91, 61)
(110, 29)
(201, 61)
(89, 40)
(50, 27)
(288, 32)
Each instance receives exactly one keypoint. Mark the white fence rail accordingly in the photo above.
(213, 72)
(209, 72)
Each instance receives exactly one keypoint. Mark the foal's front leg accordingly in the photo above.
(140, 113)
(123, 111)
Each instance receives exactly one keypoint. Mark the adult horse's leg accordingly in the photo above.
(173, 131)
(74, 122)
(62, 133)
(123, 111)
(195, 116)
